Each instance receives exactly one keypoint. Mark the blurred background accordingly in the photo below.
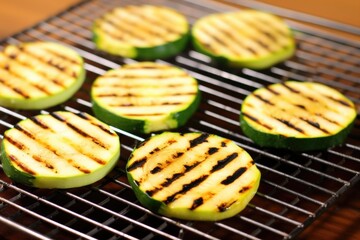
(16, 15)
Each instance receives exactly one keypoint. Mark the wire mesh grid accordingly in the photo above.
(295, 187)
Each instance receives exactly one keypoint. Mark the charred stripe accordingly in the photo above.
(290, 125)
(157, 21)
(78, 130)
(230, 179)
(15, 89)
(42, 73)
(21, 165)
(185, 188)
(315, 124)
(198, 140)
(15, 74)
(256, 120)
(222, 163)
(99, 125)
(50, 62)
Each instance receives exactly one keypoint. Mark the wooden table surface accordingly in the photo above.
(342, 220)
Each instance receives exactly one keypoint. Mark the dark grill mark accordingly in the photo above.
(272, 90)
(63, 57)
(290, 125)
(17, 144)
(15, 89)
(291, 88)
(212, 150)
(137, 164)
(185, 188)
(21, 165)
(327, 119)
(196, 141)
(43, 161)
(51, 62)
(224, 206)
(79, 131)
(155, 170)
(222, 163)
(54, 151)
(342, 102)
(257, 120)
(99, 125)
(315, 124)
(300, 106)
(38, 122)
(196, 203)
(244, 189)
(234, 176)
(263, 99)
(157, 21)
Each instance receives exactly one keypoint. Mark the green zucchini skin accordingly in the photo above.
(311, 142)
(54, 151)
(216, 201)
(114, 44)
(175, 118)
(255, 61)
(23, 96)
(293, 143)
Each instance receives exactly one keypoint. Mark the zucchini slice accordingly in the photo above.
(142, 32)
(59, 150)
(39, 75)
(247, 38)
(145, 97)
(299, 116)
(192, 176)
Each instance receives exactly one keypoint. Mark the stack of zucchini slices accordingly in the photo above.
(247, 38)
(59, 150)
(145, 97)
(299, 116)
(39, 75)
(142, 32)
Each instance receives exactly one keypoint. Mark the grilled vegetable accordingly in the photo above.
(59, 150)
(39, 75)
(145, 97)
(141, 32)
(299, 116)
(192, 176)
(247, 38)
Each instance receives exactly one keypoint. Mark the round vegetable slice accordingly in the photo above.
(246, 38)
(39, 75)
(300, 116)
(141, 32)
(145, 97)
(59, 150)
(192, 176)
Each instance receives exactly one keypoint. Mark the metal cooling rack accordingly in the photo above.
(295, 187)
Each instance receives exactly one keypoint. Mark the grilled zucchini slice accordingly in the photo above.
(192, 176)
(39, 75)
(299, 116)
(59, 150)
(142, 32)
(145, 97)
(247, 38)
